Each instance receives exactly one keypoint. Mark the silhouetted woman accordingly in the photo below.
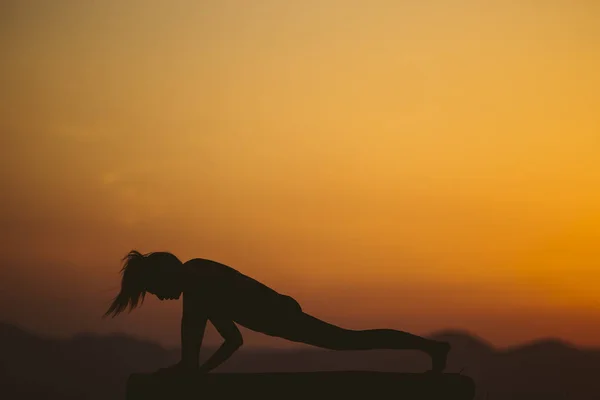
(213, 291)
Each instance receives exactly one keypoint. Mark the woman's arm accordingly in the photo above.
(192, 334)
(193, 326)
(233, 341)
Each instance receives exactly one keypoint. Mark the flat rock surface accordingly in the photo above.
(303, 385)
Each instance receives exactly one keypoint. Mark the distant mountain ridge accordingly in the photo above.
(93, 366)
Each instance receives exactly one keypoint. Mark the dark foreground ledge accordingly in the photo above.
(342, 385)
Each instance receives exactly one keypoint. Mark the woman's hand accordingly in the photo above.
(179, 369)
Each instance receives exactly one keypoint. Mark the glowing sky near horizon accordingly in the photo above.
(415, 165)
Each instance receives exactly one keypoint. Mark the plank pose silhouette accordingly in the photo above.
(222, 295)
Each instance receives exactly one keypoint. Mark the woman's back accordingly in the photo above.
(224, 289)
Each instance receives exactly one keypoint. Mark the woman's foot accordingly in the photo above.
(439, 354)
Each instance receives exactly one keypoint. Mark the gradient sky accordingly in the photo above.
(414, 165)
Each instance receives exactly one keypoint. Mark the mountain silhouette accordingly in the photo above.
(91, 366)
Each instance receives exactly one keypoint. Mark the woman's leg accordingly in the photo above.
(304, 328)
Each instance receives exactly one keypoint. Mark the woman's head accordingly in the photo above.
(157, 273)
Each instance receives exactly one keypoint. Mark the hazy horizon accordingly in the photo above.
(278, 345)
(434, 164)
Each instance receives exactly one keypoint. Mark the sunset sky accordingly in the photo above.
(418, 165)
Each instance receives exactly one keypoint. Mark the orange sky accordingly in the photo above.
(434, 164)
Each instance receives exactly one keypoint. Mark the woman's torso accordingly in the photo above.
(224, 291)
